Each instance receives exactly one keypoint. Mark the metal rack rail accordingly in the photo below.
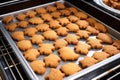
(111, 74)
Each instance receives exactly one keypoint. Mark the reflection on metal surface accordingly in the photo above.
(6, 2)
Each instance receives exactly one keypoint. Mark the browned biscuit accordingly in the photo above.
(42, 27)
(115, 4)
(67, 54)
(91, 21)
(7, 19)
(54, 74)
(24, 45)
(100, 27)
(110, 49)
(50, 35)
(70, 68)
(46, 48)
(51, 8)
(100, 55)
(31, 54)
(65, 12)
(81, 15)
(40, 10)
(11, 26)
(82, 48)
(30, 13)
(92, 30)
(82, 24)
(54, 24)
(18, 35)
(72, 10)
(22, 24)
(87, 61)
(94, 43)
(106, 38)
(38, 66)
(107, 2)
(46, 17)
(35, 20)
(62, 31)
(37, 39)
(59, 5)
(21, 16)
(83, 34)
(59, 43)
(73, 18)
(56, 14)
(72, 27)
(52, 60)
(72, 39)
(63, 21)
(116, 43)
(30, 31)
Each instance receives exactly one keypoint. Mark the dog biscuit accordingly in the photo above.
(82, 48)
(70, 68)
(38, 66)
(52, 60)
(67, 54)
(46, 48)
(54, 74)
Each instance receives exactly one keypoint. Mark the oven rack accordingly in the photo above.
(111, 74)
(11, 66)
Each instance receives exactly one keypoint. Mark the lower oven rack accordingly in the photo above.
(11, 68)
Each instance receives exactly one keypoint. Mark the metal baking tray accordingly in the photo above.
(25, 63)
(110, 9)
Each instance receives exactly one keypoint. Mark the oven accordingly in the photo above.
(14, 67)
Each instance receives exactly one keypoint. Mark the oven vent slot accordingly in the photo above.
(112, 74)
(10, 64)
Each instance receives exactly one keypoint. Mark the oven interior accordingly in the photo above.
(11, 68)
